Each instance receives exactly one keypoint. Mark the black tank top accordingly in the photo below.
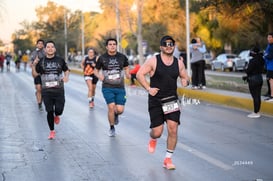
(165, 78)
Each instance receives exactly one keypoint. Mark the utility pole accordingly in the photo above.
(65, 37)
(188, 37)
(139, 30)
(118, 29)
(82, 18)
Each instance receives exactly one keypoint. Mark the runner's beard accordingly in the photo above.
(168, 53)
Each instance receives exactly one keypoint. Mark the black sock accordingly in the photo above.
(112, 127)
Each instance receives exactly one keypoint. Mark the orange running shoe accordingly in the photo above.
(91, 104)
(152, 145)
(51, 135)
(56, 119)
(168, 164)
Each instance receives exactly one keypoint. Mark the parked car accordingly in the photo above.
(244, 55)
(228, 61)
(208, 58)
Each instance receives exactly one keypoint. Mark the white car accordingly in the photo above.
(208, 58)
(228, 61)
(244, 55)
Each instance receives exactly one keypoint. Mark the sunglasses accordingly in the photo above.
(167, 44)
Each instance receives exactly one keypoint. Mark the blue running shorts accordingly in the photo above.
(114, 95)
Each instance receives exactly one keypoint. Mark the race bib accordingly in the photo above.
(170, 104)
(51, 84)
(51, 81)
(114, 76)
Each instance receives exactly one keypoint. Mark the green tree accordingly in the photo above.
(237, 23)
(50, 24)
(169, 16)
(22, 39)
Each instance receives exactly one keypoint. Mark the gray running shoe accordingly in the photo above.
(112, 132)
(116, 119)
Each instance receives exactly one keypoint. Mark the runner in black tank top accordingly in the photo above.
(164, 70)
(165, 78)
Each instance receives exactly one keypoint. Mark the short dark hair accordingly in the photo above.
(271, 33)
(111, 39)
(50, 41)
(40, 40)
(193, 41)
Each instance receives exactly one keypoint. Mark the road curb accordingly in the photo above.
(76, 71)
(228, 100)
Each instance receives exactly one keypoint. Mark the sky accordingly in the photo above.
(15, 11)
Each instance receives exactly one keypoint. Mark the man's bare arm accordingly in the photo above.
(185, 80)
(147, 68)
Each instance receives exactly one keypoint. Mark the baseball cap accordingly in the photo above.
(166, 37)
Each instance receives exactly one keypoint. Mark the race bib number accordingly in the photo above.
(114, 76)
(51, 84)
(170, 105)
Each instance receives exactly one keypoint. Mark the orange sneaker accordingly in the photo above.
(56, 119)
(152, 145)
(51, 135)
(168, 164)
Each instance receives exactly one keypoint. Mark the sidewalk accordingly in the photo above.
(217, 96)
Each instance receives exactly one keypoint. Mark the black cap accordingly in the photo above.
(167, 37)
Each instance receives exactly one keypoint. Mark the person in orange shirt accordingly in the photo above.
(25, 59)
(134, 71)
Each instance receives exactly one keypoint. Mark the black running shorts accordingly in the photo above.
(157, 117)
(37, 80)
(269, 74)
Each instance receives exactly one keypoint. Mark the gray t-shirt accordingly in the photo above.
(37, 52)
(112, 68)
(197, 54)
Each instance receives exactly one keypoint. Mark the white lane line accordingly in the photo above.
(203, 156)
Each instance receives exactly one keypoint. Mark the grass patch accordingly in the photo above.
(230, 83)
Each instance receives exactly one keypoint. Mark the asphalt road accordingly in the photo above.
(214, 142)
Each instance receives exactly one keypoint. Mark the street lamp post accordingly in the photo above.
(82, 18)
(118, 24)
(139, 30)
(65, 37)
(188, 37)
